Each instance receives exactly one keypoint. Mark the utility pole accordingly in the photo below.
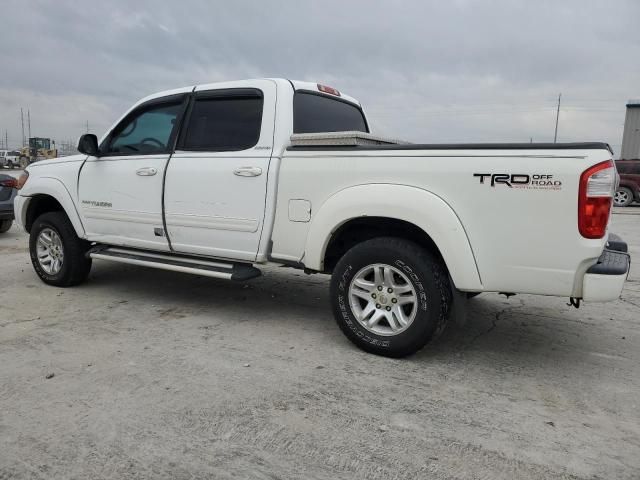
(29, 121)
(555, 136)
(87, 126)
(6, 139)
(22, 123)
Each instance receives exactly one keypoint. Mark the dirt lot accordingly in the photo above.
(163, 375)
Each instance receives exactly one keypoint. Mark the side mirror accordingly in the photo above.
(88, 144)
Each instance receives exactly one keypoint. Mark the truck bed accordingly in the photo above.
(518, 234)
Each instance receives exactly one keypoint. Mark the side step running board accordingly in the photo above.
(176, 263)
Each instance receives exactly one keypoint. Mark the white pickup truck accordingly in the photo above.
(219, 179)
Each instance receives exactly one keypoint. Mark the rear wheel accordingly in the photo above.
(390, 296)
(24, 162)
(623, 197)
(5, 225)
(57, 254)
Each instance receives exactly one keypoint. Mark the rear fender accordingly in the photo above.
(422, 208)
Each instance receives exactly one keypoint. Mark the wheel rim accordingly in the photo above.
(49, 251)
(383, 300)
(621, 197)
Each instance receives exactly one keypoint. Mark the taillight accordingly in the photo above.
(9, 182)
(595, 195)
(22, 179)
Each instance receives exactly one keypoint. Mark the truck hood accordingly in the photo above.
(54, 161)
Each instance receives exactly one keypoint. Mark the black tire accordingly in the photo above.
(427, 275)
(623, 197)
(75, 266)
(23, 162)
(5, 225)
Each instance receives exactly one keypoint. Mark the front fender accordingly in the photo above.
(414, 205)
(54, 188)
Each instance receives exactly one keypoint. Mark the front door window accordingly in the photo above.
(147, 132)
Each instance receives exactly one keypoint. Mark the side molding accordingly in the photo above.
(56, 189)
(419, 207)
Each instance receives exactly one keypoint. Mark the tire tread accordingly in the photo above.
(75, 248)
(420, 256)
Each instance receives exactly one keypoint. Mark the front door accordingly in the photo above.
(120, 192)
(216, 181)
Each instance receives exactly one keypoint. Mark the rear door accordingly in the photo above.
(120, 192)
(216, 181)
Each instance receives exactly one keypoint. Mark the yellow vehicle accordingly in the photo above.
(39, 149)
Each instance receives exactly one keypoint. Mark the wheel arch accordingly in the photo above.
(360, 229)
(49, 195)
(366, 211)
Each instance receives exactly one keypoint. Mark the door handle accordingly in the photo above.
(146, 171)
(248, 171)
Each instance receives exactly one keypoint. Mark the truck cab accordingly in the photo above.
(144, 189)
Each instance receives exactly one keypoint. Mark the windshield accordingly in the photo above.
(36, 142)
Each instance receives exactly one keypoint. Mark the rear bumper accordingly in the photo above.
(604, 281)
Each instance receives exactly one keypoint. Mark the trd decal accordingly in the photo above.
(520, 180)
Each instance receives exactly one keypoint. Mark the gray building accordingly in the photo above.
(631, 135)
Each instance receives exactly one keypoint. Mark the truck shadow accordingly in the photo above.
(528, 331)
(518, 331)
(290, 293)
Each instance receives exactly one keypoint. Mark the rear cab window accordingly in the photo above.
(315, 113)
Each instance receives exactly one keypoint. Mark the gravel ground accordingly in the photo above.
(150, 374)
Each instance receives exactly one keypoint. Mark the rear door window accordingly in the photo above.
(314, 113)
(224, 122)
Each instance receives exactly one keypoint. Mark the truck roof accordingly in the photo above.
(295, 84)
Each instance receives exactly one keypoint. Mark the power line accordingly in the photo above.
(555, 135)
(22, 123)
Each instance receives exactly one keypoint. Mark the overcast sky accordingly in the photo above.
(427, 71)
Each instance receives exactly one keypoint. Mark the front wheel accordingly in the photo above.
(5, 225)
(390, 296)
(57, 254)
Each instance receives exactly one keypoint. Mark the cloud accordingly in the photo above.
(425, 70)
